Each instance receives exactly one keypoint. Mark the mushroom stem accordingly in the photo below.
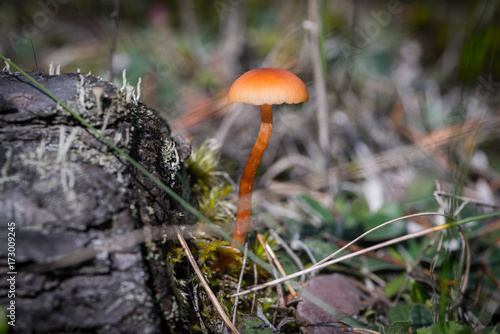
(244, 208)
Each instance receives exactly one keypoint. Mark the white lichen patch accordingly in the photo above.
(124, 79)
(138, 97)
(117, 138)
(7, 67)
(105, 122)
(171, 161)
(65, 143)
(130, 91)
(98, 92)
(174, 313)
(80, 88)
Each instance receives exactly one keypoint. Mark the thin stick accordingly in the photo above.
(369, 249)
(34, 54)
(287, 249)
(114, 16)
(464, 256)
(239, 281)
(278, 287)
(280, 268)
(435, 295)
(255, 281)
(194, 295)
(466, 199)
(480, 277)
(319, 81)
(205, 285)
(373, 229)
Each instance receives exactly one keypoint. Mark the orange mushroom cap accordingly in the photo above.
(268, 86)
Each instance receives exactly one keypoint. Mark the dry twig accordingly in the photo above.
(280, 268)
(235, 308)
(288, 250)
(278, 287)
(205, 285)
(319, 81)
(345, 257)
(373, 229)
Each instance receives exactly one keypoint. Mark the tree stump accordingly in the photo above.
(83, 263)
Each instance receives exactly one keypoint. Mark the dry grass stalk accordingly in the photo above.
(345, 257)
(278, 287)
(211, 295)
(235, 308)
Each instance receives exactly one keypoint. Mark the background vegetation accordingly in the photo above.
(403, 118)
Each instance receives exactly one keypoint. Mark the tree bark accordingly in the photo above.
(87, 224)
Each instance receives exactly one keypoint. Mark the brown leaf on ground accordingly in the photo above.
(338, 292)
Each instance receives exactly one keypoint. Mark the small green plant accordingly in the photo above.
(209, 187)
(424, 278)
(211, 191)
(203, 165)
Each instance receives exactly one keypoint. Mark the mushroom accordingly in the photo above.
(263, 87)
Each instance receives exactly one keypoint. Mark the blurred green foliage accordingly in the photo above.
(177, 48)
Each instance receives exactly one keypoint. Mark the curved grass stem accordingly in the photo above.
(369, 249)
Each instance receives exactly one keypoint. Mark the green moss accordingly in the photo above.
(203, 164)
(208, 185)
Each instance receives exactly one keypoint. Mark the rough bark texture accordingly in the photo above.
(75, 203)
